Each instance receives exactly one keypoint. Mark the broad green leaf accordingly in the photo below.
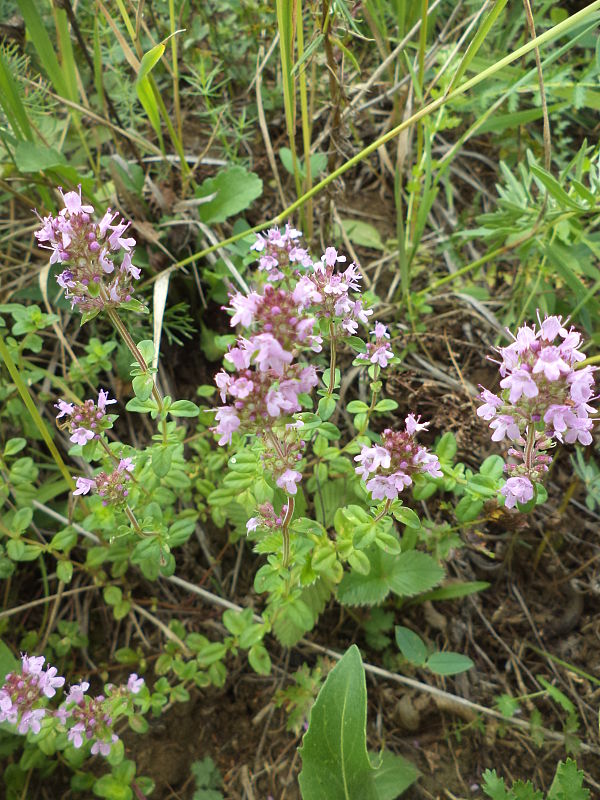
(414, 572)
(30, 157)
(494, 786)
(412, 647)
(8, 663)
(568, 783)
(357, 589)
(448, 663)
(362, 233)
(335, 762)
(394, 775)
(235, 189)
(184, 408)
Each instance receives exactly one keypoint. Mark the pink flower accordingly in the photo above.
(413, 425)
(84, 485)
(75, 735)
(103, 400)
(228, 421)
(269, 354)
(49, 683)
(550, 362)
(490, 405)
(252, 524)
(30, 721)
(288, 480)
(517, 490)
(371, 459)
(81, 436)
(223, 381)
(551, 327)
(77, 692)
(134, 684)
(330, 257)
(520, 382)
(505, 425)
(244, 308)
(385, 487)
(66, 409)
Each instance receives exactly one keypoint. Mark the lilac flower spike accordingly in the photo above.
(92, 278)
(86, 421)
(545, 398)
(378, 352)
(390, 467)
(23, 691)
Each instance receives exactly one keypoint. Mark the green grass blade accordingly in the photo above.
(33, 412)
(10, 100)
(476, 42)
(43, 46)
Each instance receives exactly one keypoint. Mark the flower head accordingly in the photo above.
(390, 467)
(93, 279)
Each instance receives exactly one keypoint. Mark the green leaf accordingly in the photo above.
(112, 788)
(358, 589)
(448, 663)
(259, 659)
(453, 590)
(407, 516)
(468, 508)
(362, 233)
(64, 571)
(162, 458)
(494, 786)
(446, 447)
(8, 663)
(394, 775)
(326, 407)
(554, 188)
(568, 783)
(143, 84)
(14, 446)
(184, 408)
(19, 551)
(357, 407)
(414, 572)
(30, 157)
(235, 189)
(412, 647)
(142, 386)
(335, 762)
(386, 405)
(558, 696)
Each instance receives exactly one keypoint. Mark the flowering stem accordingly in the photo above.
(126, 336)
(384, 510)
(529, 448)
(331, 360)
(285, 531)
(132, 518)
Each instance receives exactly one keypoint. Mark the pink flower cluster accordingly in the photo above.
(545, 398)
(279, 250)
(379, 351)
(329, 289)
(22, 693)
(267, 518)
(112, 487)
(87, 421)
(92, 280)
(389, 467)
(22, 703)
